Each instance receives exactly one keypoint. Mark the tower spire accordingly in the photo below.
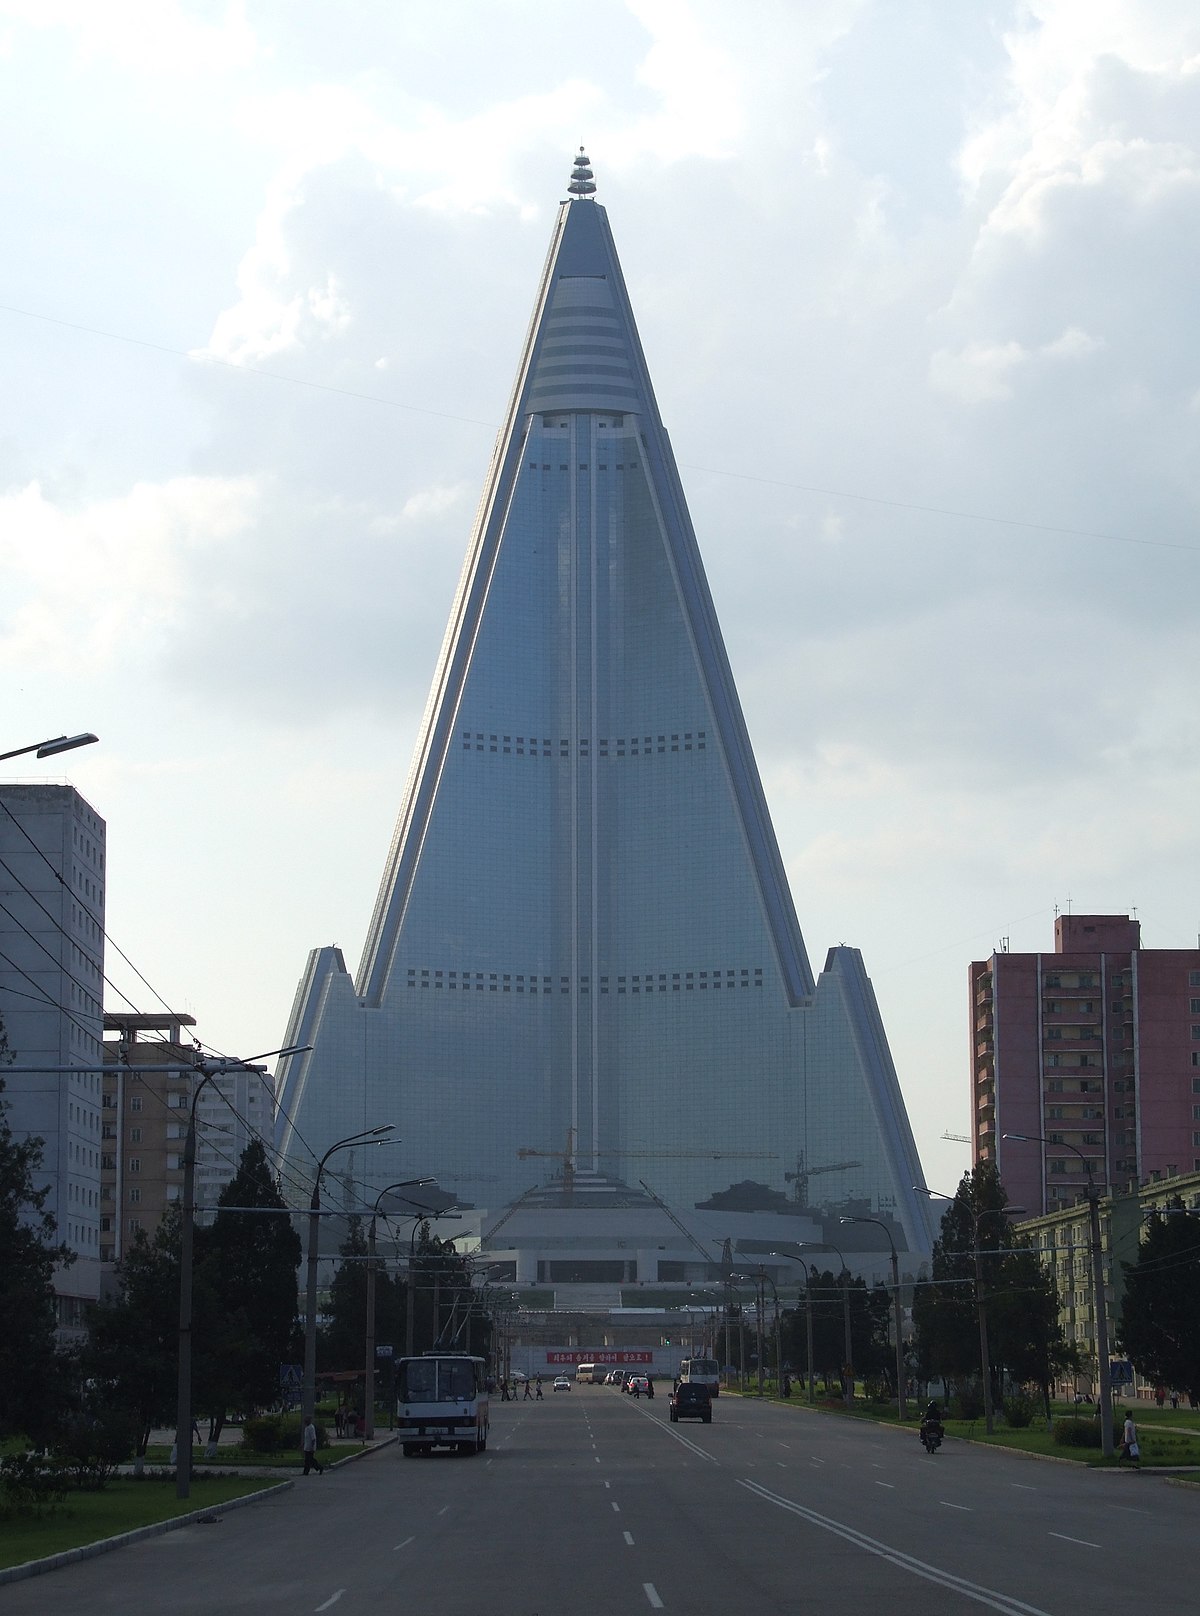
(583, 181)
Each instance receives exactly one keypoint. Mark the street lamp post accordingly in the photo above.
(183, 1382)
(410, 1309)
(760, 1278)
(901, 1408)
(308, 1399)
(809, 1274)
(1098, 1290)
(369, 1399)
(61, 743)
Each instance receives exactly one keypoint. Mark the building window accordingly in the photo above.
(135, 1196)
(135, 1136)
(135, 1102)
(1194, 1006)
(1194, 979)
(1058, 1166)
(134, 1164)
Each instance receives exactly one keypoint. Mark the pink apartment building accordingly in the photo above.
(1094, 1050)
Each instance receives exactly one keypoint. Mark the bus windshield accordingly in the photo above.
(437, 1380)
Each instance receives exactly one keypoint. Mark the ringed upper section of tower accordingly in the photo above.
(583, 181)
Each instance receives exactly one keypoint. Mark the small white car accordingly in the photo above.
(561, 1383)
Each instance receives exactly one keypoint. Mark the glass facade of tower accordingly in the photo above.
(584, 940)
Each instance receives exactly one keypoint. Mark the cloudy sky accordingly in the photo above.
(917, 283)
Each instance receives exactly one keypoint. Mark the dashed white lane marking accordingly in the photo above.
(405, 1544)
(628, 1536)
(781, 1464)
(1082, 1541)
(616, 1508)
(891, 1485)
(597, 1459)
(946, 1504)
(652, 1595)
(608, 1483)
(1023, 1485)
(332, 1600)
(443, 1509)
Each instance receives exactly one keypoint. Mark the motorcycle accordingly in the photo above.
(931, 1435)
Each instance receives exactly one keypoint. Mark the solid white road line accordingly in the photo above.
(994, 1600)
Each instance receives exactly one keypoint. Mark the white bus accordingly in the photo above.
(702, 1371)
(585, 1373)
(441, 1402)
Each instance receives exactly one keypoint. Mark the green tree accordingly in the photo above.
(342, 1342)
(246, 1268)
(31, 1370)
(1025, 1338)
(1159, 1327)
(441, 1284)
(133, 1349)
(870, 1312)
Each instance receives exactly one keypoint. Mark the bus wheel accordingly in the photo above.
(408, 1449)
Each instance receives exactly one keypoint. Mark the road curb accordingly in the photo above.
(104, 1545)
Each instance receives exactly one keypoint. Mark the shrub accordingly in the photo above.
(91, 1445)
(1019, 1411)
(263, 1434)
(277, 1433)
(967, 1403)
(1073, 1433)
(30, 1485)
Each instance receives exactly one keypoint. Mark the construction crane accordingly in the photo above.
(802, 1175)
(567, 1157)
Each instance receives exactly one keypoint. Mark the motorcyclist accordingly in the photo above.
(931, 1420)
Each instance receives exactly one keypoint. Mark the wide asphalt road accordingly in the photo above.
(593, 1504)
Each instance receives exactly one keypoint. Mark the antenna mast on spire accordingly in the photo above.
(583, 181)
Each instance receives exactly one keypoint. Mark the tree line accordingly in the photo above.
(121, 1382)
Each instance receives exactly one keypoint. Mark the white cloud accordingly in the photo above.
(86, 586)
(146, 36)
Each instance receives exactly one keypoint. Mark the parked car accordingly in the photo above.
(691, 1401)
(561, 1383)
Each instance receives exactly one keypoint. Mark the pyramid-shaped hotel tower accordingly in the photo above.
(584, 967)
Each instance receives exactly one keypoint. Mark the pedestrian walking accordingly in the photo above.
(1130, 1448)
(538, 1395)
(528, 1391)
(308, 1446)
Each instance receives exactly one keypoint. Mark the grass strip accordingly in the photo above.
(126, 1503)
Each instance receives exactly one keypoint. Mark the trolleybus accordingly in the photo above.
(441, 1402)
